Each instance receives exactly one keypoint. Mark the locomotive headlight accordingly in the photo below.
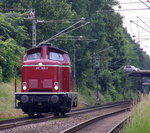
(24, 87)
(40, 64)
(56, 87)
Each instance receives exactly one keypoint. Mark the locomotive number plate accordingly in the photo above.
(41, 68)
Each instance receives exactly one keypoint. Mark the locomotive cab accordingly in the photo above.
(46, 82)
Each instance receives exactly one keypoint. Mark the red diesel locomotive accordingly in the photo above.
(46, 82)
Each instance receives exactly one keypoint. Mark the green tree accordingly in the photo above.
(104, 26)
(10, 58)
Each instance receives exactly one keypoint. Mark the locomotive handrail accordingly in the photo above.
(15, 84)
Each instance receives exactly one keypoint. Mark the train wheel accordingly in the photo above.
(63, 114)
(56, 114)
(39, 115)
(31, 115)
(69, 105)
(75, 102)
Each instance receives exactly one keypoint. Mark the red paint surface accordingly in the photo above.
(42, 78)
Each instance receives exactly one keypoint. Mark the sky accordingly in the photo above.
(137, 21)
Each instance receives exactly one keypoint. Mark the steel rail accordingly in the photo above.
(6, 124)
(13, 120)
(93, 120)
(95, 108)
(73, 110)
(105, 105)
(117, 128)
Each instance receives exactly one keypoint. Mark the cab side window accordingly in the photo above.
(56, 56)
(34, 56)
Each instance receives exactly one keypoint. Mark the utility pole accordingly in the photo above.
(33, 33)
(138, 31)
(74, 65)
(96, 59)
(74, 69)
(31, 15)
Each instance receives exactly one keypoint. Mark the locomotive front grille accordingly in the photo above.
(47, 83)
(33, 83)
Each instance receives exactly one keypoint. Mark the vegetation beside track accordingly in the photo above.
(7, 104)
(7, 100)
(107, 29)
(140, 122)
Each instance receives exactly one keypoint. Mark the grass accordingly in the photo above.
(88, 97)
(140, 120)
(7, 102)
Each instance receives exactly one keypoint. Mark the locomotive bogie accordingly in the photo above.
(38, 103)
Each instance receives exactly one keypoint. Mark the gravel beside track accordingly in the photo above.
(59, 124)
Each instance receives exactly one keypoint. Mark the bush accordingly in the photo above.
(139, 122)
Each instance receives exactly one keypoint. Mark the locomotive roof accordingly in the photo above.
(49, 46)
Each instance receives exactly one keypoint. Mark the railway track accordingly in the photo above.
(82, 127)
(24, 121)
(117, 128)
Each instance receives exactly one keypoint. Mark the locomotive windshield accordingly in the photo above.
(34, 56)
(56, 56)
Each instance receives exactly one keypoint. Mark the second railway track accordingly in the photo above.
(25, 121)
(106, 127)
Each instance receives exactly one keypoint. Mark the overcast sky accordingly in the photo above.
(140, 33)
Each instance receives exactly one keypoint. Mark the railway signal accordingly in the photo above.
(96, 61)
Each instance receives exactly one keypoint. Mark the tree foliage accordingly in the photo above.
(106, 27)
(12, 37)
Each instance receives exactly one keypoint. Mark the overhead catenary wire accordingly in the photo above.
(127, 22)
(103, 50)
(75, 38)
(143, 22)
(71, 38)
(144, 17)
(132, 15)
(36, 21)
(137, 28)
(56, 21)
(53, 37)
(144, 3)
(107, 11)
(133, 2)
(140, 26)
(14, 9)
(72, 30)
(65, 31)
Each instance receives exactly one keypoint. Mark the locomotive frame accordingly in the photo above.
(46, 82)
